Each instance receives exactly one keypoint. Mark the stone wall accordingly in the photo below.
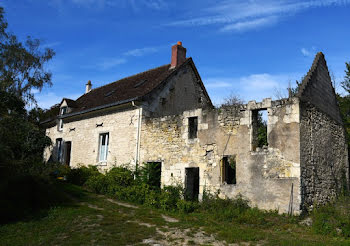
(181, 92)
(121, 124)
(324, 168)
(265, 176)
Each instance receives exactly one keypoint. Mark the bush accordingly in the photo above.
(120, 176)
(80, 175)
(24, 195)
(97, 183)
(186, 206)
(333, 218)
(169, 197)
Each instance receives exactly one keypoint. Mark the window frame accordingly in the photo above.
(59, 146)
(105, 153)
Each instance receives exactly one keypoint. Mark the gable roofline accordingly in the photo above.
(191, 63)
(310, 73)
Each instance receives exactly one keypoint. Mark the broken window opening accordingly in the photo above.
(259, 124)
(228, 169)
(192, 127)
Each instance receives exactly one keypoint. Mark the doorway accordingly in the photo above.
(68, 147)
(192, 183)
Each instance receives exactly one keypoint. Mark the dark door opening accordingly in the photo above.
(154, 172)
(68, 147)
(192, 183)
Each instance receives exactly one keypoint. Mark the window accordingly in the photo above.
(60, 125)
(259, 126)
(228, 169)
(63, 110)
(103, 147)
(192, 127)
(59, 149)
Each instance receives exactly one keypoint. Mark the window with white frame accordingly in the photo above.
(59, 149)
(63, 110)
(60, 125)
(103, 147)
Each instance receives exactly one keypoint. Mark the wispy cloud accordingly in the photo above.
(141, 51)
(110, 63)
(251, 24)
(250, 87)
(244, 15)
(136, 5)
(308, 52)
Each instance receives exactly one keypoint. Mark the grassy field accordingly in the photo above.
(91, 219)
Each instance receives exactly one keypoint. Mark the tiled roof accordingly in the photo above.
(123, 90)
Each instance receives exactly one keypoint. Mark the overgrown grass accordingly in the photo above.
(91, 219)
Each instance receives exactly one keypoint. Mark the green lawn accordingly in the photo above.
(91, 219)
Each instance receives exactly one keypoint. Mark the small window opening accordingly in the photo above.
(228, 168)
(192, 127)
(259, 124)
(103, 147)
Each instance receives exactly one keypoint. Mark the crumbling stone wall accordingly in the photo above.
(324, 172)
(268, 177)
(324, 158)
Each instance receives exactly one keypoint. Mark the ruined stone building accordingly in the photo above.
(165, 115)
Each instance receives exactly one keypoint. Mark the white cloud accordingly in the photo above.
(308, 52)
(141, 52)
(248, 25)
(250, 87)
(110, 63)
(244, 15)
(218, 84)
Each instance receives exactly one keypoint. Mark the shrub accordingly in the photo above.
(80, 175)
(169, 197)
(26, 194)
(97, 183)
(186, 206)
(120, 176)
(333, 218)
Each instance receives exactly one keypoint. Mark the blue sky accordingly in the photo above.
(250, 48)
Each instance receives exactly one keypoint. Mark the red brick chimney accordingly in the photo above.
(178, 55)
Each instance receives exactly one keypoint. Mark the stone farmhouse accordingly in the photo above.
(165, 115)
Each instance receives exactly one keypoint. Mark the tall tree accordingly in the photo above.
(22, 65)
(346, 83)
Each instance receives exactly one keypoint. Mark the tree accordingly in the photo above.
(22, 65)
(22, 69)
(346, 83)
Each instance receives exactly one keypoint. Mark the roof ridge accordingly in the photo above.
(309, 74)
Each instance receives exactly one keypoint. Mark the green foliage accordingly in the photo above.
(80, 175)
(333, 218)
(22, 65)
(149, 173)
(186, 206)
(262, 131)
(346, 83)
(120, 176)
(169, 197)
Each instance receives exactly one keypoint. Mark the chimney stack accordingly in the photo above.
(178, 55)
(88, 87)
